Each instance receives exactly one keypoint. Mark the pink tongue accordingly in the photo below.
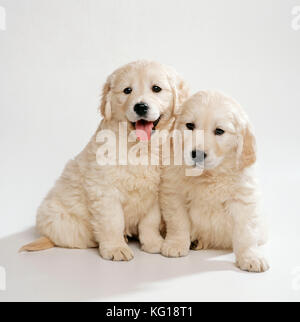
(143, 130)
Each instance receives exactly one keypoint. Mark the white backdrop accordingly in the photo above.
(56, 54)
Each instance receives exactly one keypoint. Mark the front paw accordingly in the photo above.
(175, 248)
(116, 253)
(153, 247)
(252, 261)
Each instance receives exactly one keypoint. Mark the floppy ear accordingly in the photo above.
(247, 148)
(180, 91)
(105, 106)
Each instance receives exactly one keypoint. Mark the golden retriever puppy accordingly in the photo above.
(95, 205)
(217, 207)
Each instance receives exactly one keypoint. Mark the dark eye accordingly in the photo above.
(219, 132)
(156, 89)
(127, 90)
(190, 126)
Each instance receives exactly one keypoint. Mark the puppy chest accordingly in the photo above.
(211, 222)
(135, 208)
(133, 179)
(139, 195)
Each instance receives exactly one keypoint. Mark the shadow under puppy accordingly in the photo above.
(95, 205)
(218, 207)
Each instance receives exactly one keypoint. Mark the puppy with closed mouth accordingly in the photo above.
(94, 205)
(218, 208)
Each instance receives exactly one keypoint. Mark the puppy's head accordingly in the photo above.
(144, 94)
(220, 136)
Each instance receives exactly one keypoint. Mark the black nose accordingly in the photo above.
(198, 156)
(141, 109)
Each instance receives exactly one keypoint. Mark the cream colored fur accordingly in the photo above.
(218, 209)
(92, 205)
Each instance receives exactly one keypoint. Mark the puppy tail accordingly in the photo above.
(40, 244)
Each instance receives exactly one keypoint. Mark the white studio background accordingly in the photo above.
(56, 54)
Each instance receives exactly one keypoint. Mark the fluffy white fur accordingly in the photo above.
(218, 209)
(92, 205)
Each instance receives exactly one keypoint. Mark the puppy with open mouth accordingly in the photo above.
(218, 207)
(98, 206)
